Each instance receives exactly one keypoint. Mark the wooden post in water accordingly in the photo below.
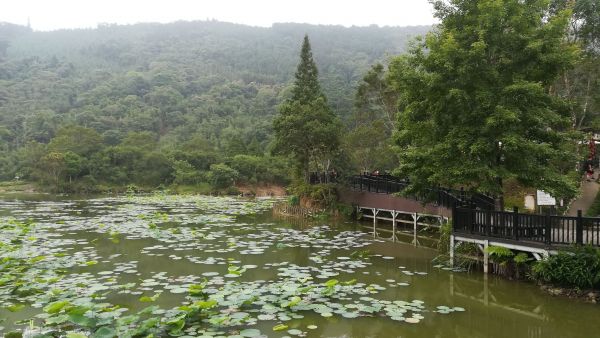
(394, 214)
(415, 220)
(452, 250)
(374, 222)
(486, 256)
(486, 291)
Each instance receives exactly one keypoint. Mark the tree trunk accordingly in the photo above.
(585, 104)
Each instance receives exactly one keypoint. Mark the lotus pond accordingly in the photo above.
(224, 267)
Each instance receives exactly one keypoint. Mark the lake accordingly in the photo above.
(201, 266)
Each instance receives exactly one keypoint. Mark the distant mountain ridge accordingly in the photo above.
(220, 80)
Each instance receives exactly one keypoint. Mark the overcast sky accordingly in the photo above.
(57, 14)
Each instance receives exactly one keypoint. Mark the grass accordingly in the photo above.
(16, 186)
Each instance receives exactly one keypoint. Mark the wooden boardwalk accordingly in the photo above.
(473, 218)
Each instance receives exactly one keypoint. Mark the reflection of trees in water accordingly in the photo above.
(517, 307)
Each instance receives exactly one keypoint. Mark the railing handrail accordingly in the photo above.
(541, 228)
(446, 197)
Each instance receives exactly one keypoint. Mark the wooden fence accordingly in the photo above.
(445, 197)
(542, 229)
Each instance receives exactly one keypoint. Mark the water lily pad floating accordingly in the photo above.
(266, 317)
(312, 327)
(250, 333)
(295, 332)
(284, 318)
(412, 320)
(350, 314)
(179, 290)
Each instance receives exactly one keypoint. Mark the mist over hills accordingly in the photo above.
(179, 81)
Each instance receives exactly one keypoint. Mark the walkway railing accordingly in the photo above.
(387, 184)
(541, 229)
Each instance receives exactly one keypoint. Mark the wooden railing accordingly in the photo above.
(387, 184)
(542, 229)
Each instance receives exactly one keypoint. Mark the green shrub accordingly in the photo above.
(521, 258)
(499, 254)
(577, 268)
(221, 176)
(323, 195)
(444, 243)
(346, 210)
(231, 191)
(293, 200)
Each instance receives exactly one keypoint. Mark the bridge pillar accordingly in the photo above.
(415, 220)
(486, 256)
(452, 250)
(394, 214)
(375, 212)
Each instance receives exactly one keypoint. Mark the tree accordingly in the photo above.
(79, 140)
(376, 107)
(55, 166)
(475, 103)
(581, 85)
(376, 100)
(222, 176)
(306, 129)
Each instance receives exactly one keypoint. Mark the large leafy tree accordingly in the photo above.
(369, 141)
(306, 129)
(476, 109)
(581, 85)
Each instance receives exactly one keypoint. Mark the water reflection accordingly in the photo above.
(494, 307)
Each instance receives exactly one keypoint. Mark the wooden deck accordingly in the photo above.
(473, 218)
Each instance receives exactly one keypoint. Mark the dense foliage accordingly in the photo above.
(578, 268)
(581, 85)
(475, 108)
(159, 104)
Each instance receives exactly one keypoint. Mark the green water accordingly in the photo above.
(163, 243)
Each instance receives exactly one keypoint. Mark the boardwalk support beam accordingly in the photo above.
(486, 256)
(452, 250)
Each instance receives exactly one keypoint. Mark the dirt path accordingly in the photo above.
(589, 190)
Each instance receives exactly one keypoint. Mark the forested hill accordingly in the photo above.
(205, 85)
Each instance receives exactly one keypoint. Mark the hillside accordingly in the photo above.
(210, 82)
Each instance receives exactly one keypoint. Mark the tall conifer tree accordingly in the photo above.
(306, 128)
